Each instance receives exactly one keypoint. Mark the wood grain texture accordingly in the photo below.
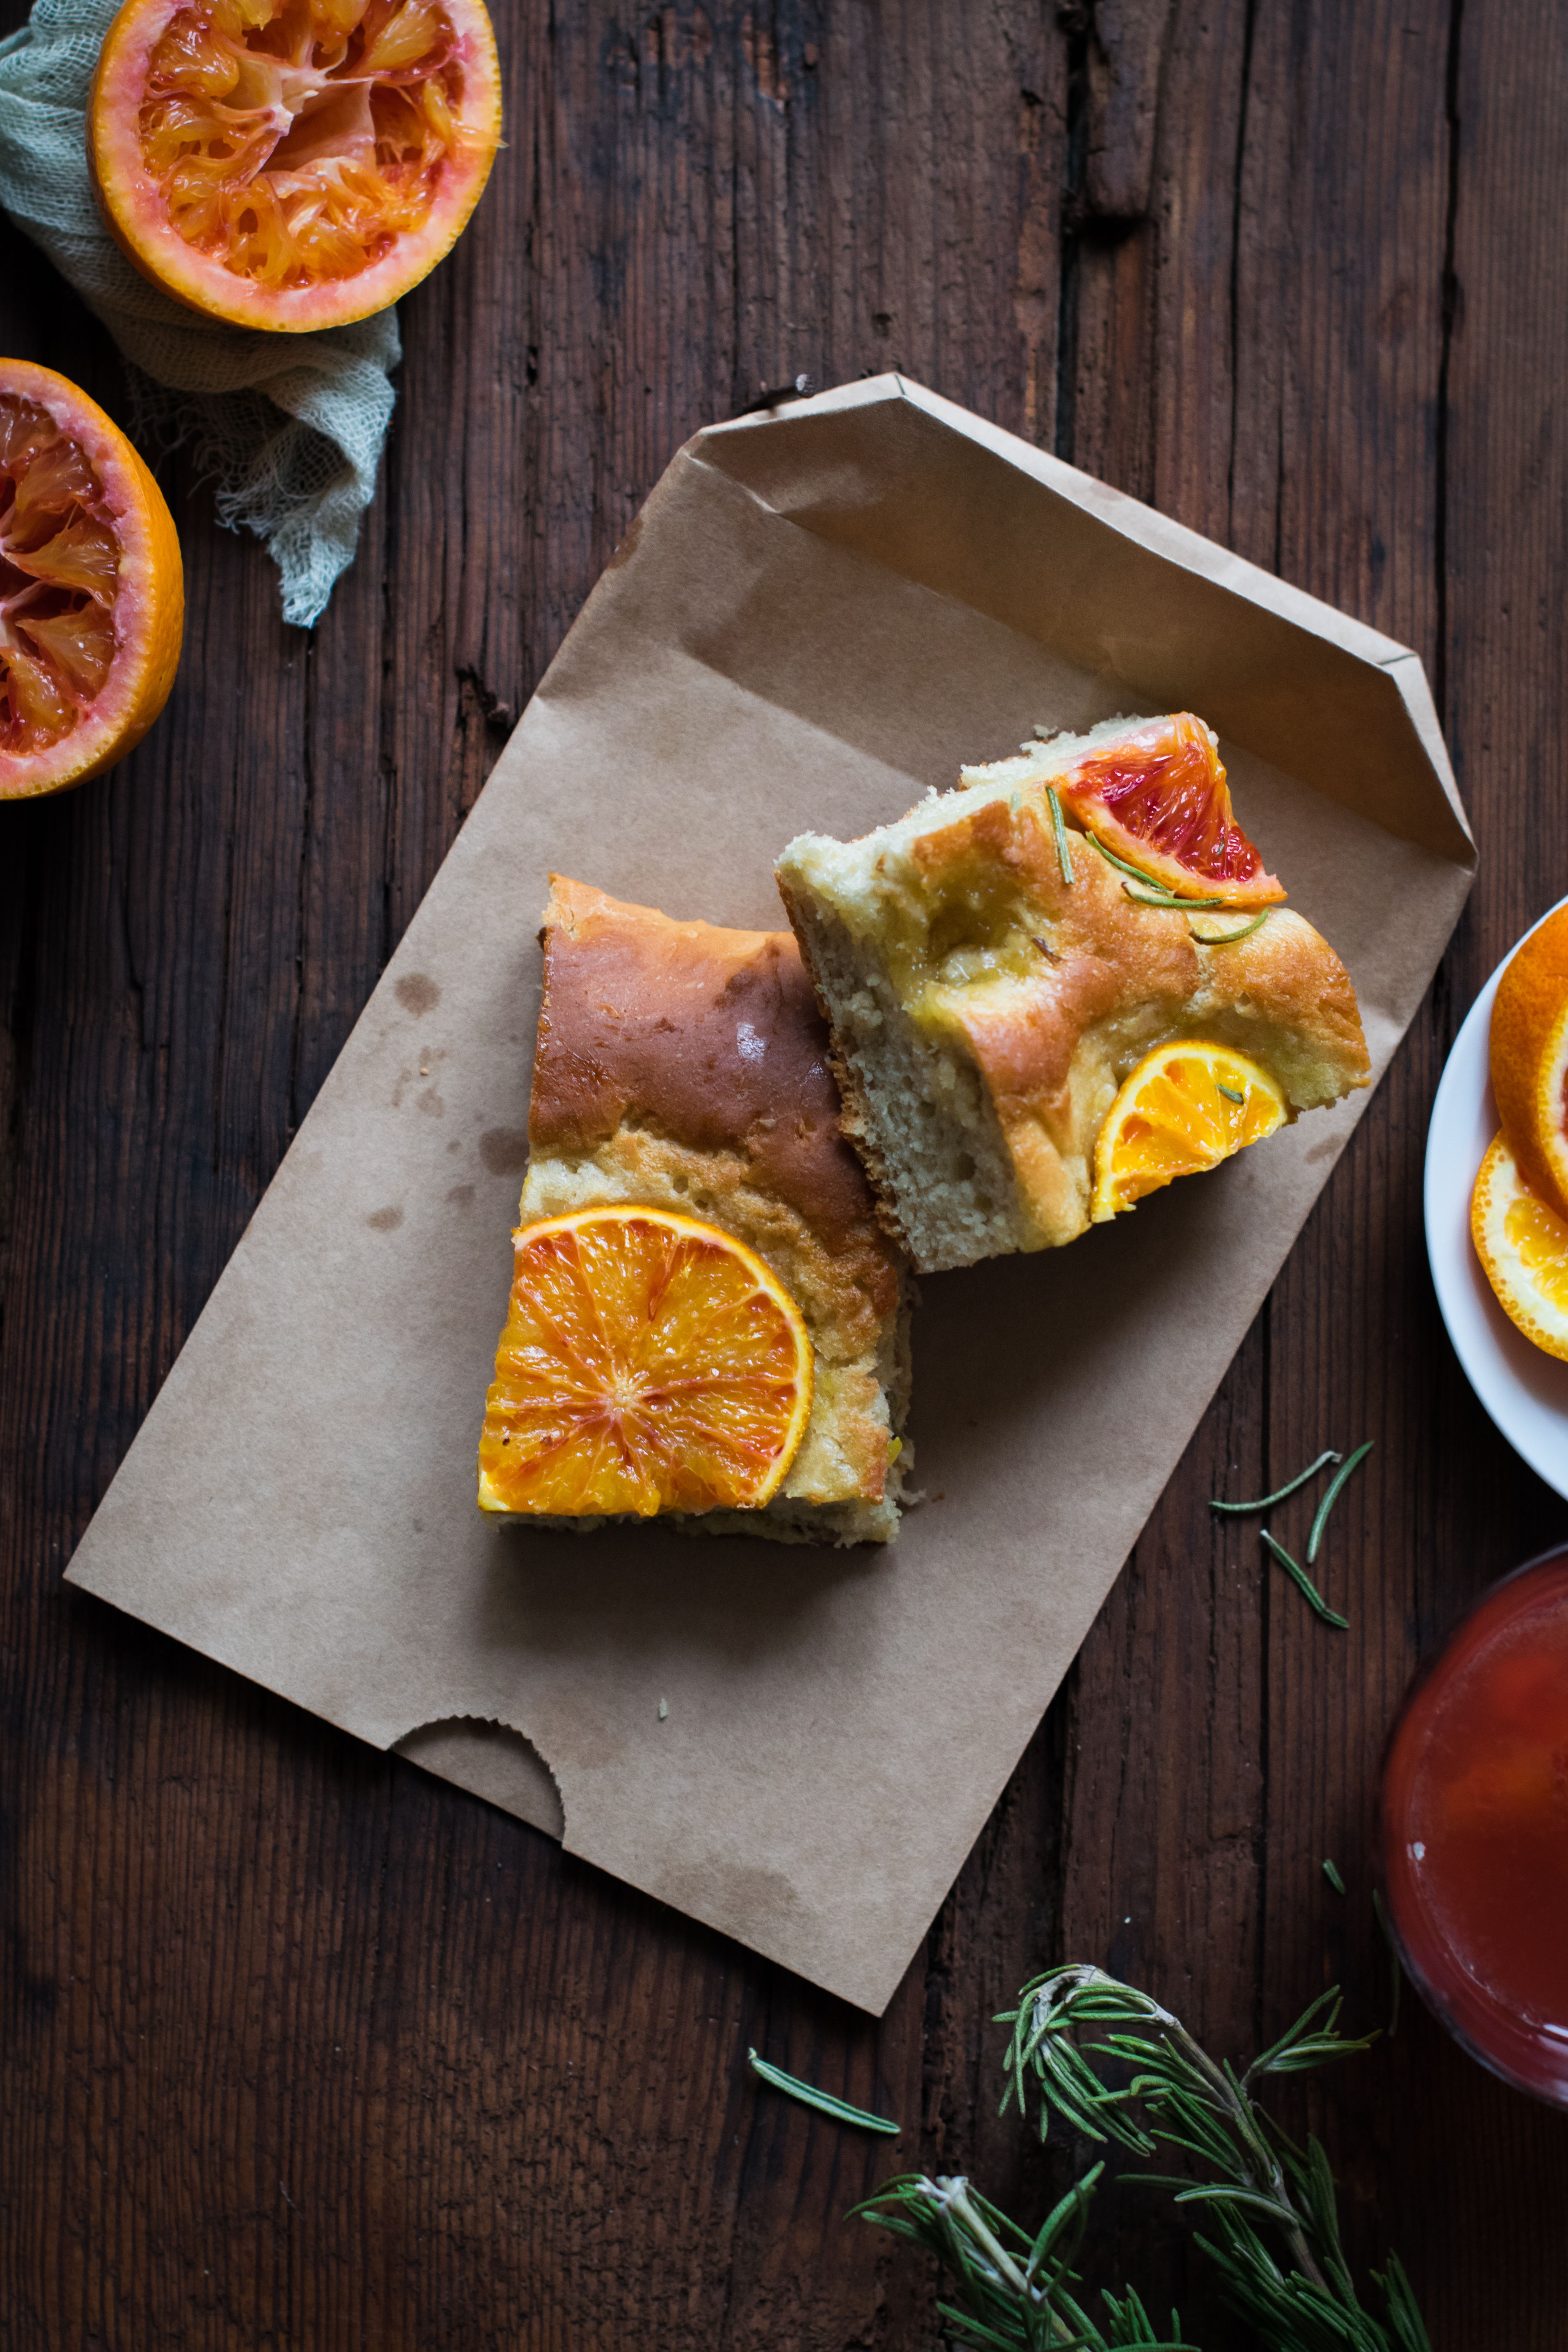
(305, 2050)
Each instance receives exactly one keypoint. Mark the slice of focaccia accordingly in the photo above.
(992, 978)
(685, 1069)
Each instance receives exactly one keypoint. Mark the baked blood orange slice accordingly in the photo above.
(91, 589)
(1530, 1058)
(292, 163)
(1186, 1107)
(1159, 799)
(649, 1363)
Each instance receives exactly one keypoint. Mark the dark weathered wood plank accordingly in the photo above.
(306, 2048)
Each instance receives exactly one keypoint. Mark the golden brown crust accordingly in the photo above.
(1048, 991)
(1104, 960)
(686, 1067)
(713, 1038)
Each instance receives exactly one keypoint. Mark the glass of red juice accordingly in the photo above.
(1475, 1830)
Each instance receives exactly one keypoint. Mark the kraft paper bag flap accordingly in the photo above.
(816, 616)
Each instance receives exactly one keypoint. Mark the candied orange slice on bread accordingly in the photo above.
(650, 1363)
(1523, 1242)
(1530, 1058)
(292, 163)
(92, 588)
(1158, 798)
(1185, 1108)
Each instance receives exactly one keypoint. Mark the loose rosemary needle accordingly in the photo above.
(1267, 1501)
(1331, 1497)
(1300, 1577)
(1331, 1873)
(823, 2101)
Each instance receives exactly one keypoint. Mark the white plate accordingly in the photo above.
(1525, 1392)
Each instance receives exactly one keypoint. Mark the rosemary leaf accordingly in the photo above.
(1279, 1493)
(823, 2101)
(1231, 1094)
(1064, 855)
(1300, 1577)
(1167, 898)
(1162, 897)
(1331, 1497)
(1229, 939)
(1331, 1873)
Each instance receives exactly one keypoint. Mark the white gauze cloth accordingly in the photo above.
(289, 427)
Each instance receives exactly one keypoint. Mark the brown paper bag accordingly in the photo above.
(817, 615)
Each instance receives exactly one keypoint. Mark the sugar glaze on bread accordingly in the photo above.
(984, 1011)
(686, 1067)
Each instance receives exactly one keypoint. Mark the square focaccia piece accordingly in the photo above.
(992, 979)
(686, 1068)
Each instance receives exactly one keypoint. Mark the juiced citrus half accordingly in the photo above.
(292, 163)
(1159, 799)
(649, 1363)
(91, 589)
(1523, 1245)
(1530, 1058)
(1186, 1107)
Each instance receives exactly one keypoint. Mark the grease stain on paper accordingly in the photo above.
(418, 993)
(384, 1220)
(504, 1149)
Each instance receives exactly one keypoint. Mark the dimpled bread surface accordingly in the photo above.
(984, 1011)
(686, 1067)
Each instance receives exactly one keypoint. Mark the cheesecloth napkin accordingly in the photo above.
(289, 427)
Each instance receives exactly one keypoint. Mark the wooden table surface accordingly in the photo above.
(305, 2050)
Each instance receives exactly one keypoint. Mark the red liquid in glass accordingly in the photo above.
(1475, 1830)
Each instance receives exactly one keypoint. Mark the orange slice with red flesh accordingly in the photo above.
(292, 163)
(92, 587)
(1159, 799)
(1530, 1058)
(650, 1363)
(1186, 1107)
(1523, 1242)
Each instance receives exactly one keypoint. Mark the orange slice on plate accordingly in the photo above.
(1159, 799)
(292, 163)
(1530, 1058)
(1186, 1107)
(91, 589)
(649, 1363)
(1523, 1242)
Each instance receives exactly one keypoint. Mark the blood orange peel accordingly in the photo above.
(92, 587)
(293, 164)
(1158, 801)
(650, 1363)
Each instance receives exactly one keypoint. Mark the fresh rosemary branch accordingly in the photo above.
(1015, 2289)
(1271, 2207)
